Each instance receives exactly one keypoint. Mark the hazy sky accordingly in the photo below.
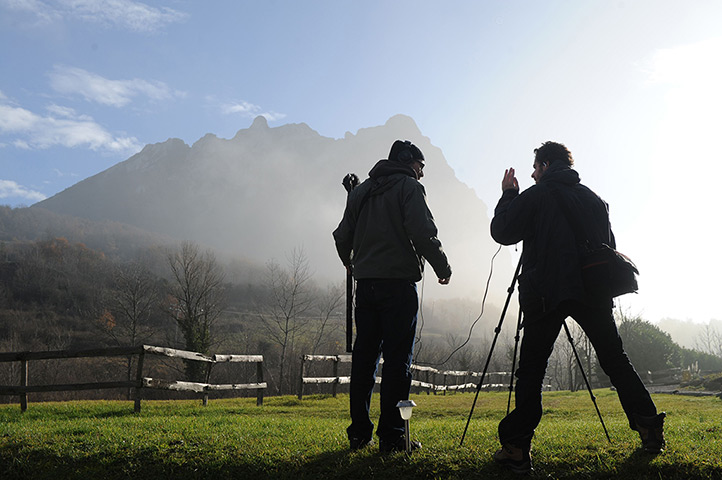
(631, 87)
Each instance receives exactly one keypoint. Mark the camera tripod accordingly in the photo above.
(497, 330)
(349, 182)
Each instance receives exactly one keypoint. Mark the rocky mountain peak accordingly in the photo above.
(270, 190)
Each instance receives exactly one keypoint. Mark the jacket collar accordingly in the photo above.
(560, 173)
(384, 168)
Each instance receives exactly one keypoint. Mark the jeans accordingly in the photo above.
(517, 428)
(385, 322)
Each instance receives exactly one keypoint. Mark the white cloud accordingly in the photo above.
(42, 13)
(116, 93)
(123, 14)
(247, 109)
(61, 174)
(61, 111)
(14, 119)
(692, 64)
(10, 189)
(60, 127)
(244, 108)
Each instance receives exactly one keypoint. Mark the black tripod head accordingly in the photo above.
(350, 181)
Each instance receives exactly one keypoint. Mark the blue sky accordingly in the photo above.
(632, 88)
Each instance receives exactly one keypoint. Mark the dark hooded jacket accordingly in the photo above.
(387, 228)
(551, 272)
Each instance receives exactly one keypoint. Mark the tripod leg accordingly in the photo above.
(589, 387)
(513, 362)
(481, 381)
(497, 330)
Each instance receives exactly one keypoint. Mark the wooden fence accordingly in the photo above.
(432, 379)
(140, 383)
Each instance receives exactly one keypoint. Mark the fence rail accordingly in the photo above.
(430, 379)
(428, 384)
(140, 381)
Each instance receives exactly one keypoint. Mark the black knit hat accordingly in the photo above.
(405, 152)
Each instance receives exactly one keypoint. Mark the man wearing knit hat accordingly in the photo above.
(386, 232)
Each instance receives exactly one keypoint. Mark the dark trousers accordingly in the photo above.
(385, 322)
(517, 428)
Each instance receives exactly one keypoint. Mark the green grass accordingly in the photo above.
(291, 439)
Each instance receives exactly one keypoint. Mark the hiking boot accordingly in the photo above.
(356, 443)
(516, 459)
(651, 431)
(397, 445)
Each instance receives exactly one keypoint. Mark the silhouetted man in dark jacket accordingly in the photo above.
(386, 231)
(551, 289)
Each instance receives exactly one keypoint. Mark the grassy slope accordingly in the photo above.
(292, 439)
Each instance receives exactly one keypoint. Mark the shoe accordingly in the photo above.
(516, 459)
(397, 445)
(356, 443)
(651, 431)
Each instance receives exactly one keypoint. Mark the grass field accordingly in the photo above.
(291, 439)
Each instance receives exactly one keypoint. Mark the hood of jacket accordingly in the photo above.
(385, 168)
(560, 173)
(385, 174)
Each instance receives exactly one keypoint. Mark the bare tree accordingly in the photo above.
(583, 348)
(563, 370)
(709, 340)
(589, 358)
(285, 313)
(125, 317)
(328, 315)
(196, 299)
(561, 366)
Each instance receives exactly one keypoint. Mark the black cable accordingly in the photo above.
(471, 329)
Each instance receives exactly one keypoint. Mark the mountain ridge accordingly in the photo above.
(266, 191)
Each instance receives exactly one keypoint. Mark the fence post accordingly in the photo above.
(24, 383)
(259, 379)
(139, 380)
(207, 380)
(335, 374)
(300, 380)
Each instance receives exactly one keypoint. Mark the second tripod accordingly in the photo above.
(497, 331)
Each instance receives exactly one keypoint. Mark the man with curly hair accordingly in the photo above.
(551, 289)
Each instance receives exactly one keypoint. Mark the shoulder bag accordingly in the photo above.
(606, 273)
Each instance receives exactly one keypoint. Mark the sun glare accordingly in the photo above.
(684, 166)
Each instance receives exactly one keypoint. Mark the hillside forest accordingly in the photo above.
(58, 294)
